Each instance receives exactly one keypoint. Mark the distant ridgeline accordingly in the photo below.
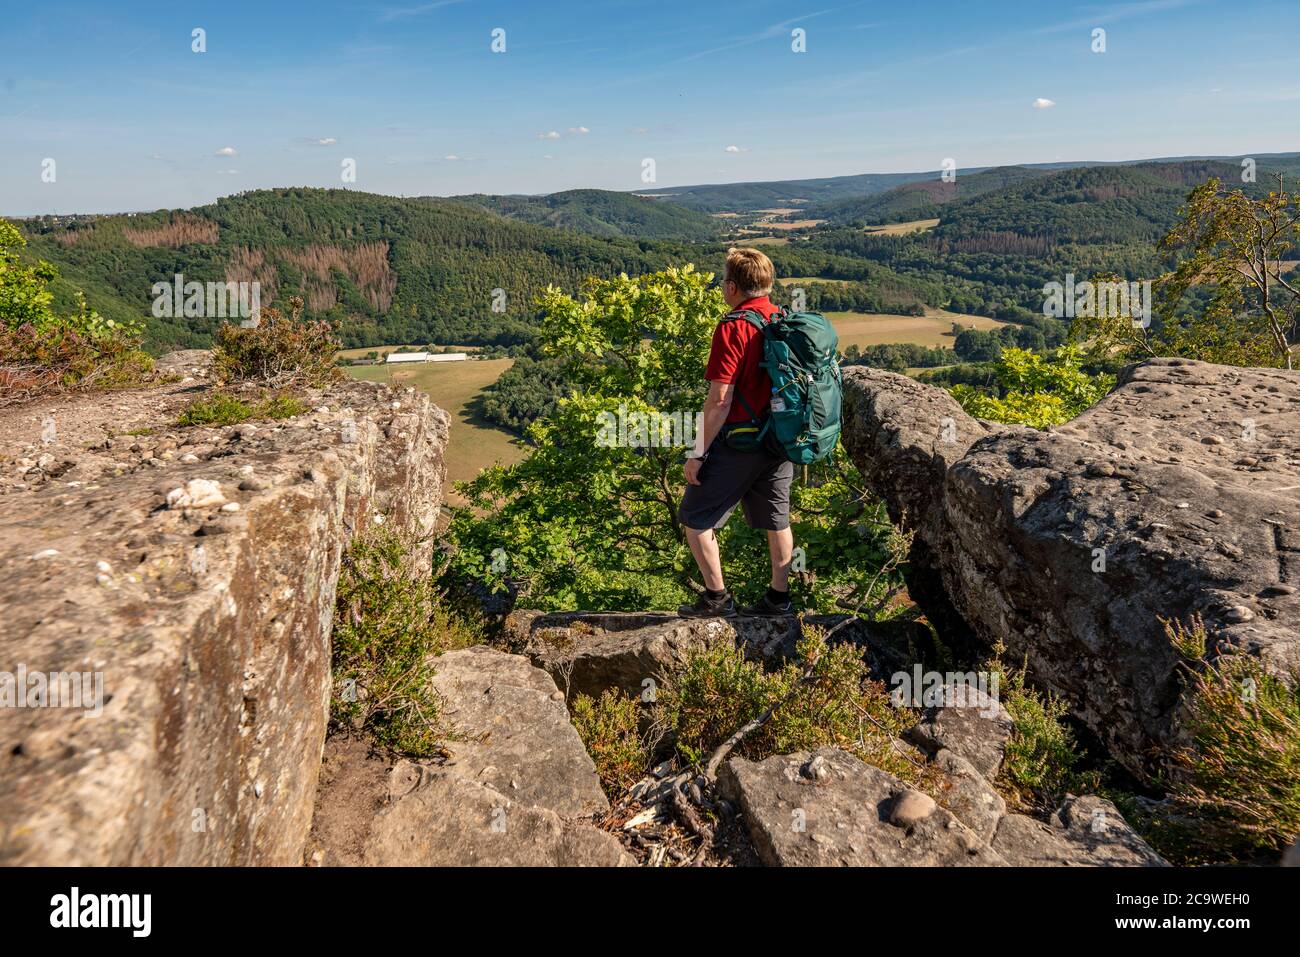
(468, 269)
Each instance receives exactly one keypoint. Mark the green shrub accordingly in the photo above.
(222, 408)
(41, 351)
(1238, 781)
(388, 627)
(838, 704)
(1041, 758)
(279, 351)
(608, 726)
(279, 406)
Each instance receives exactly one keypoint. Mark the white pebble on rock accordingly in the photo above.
(196, 493)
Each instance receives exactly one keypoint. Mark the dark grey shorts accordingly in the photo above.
(758, 481)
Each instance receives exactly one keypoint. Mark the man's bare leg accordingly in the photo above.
(780, 547)
(704, 546)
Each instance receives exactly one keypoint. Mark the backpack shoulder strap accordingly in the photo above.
(749, 315)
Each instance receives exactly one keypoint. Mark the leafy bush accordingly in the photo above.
(279, 351)
(388, 627)
(1039, 766)
(222, 408)
(1239, 778)
(608, 726)
(40, 350)
(825, 697)
(1035, 391)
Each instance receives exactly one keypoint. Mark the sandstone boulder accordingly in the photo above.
(1175, 495)
(969, 795)
(587, 652)
(846, 813)
(970, 723)
(445, 820)
(209, 627)
(513, 732)
(1086, 831)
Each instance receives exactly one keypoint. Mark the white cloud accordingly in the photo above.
(227, 151)
(227, 172)
(451, 157)
(1042, 103)
(552, 135)
(578, 131)
(403, 13)
(326, 141)
(737, 149)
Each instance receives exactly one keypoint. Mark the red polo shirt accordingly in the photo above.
(734, 357)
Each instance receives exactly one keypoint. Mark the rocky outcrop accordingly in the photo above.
(826, 808)
(512, 732)
(192, 572)
(1174, 496)
(1084, 831)
(587, 652)
(971, 723)
(445, 820)
(517, 786)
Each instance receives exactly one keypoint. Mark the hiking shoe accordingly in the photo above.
(706, 607)
(766, 608)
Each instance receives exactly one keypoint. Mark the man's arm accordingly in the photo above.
(712, 417)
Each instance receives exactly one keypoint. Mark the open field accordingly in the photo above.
(873, 329)
(362, 352)
(475, 444)
(902, 229)
(785, 281)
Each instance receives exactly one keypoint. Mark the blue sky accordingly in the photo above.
(412, 92)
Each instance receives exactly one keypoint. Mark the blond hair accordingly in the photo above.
(750, 270)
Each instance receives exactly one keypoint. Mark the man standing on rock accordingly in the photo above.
(722, 471)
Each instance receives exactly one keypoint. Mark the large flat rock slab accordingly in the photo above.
(445, 820)
(208, 621)
(513, 732)
(1175, 495)
(828, 809)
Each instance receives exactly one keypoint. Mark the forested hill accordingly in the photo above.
(1102, 204)
(603, 213)
(743, 197)
(817, 193)
(393, 270)
(388, 269)
(920, 200)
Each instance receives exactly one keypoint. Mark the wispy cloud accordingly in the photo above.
(1122, 11)
(1043, 103)
(775, 30)
(405, 13)
(226, 151)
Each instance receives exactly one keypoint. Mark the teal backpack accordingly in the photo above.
(800, 355)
